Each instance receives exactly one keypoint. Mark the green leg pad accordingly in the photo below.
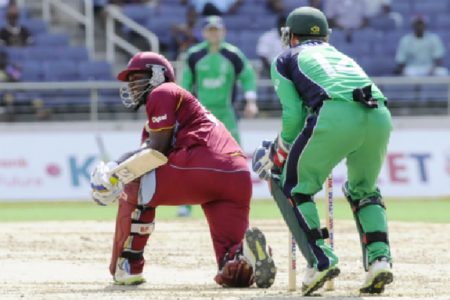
(373, 218)
(291, 221)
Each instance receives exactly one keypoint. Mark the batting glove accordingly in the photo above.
(261, 163)
(106, 189)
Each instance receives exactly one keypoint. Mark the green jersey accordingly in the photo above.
(307, 75)
(212, 76)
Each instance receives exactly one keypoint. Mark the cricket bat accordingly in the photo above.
(137, 165)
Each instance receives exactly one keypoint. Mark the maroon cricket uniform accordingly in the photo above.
(205, 166)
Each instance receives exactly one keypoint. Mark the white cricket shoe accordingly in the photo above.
(315, 279)
(378, 276)
(257, 253)
(122, 276)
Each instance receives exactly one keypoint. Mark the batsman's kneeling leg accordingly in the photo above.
(133, 227)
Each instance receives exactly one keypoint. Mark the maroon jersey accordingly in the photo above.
(170, 106)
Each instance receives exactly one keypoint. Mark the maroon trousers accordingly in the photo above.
(220, 183)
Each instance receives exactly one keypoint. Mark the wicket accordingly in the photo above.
(329, 220)
(292, 259)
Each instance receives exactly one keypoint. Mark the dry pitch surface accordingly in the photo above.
(69, 260)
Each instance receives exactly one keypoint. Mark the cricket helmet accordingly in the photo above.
(158, 70)
(305, 21)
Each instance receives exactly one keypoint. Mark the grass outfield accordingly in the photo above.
(414, 210)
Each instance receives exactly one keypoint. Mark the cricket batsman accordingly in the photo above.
(204, 166)
(211, 71)
(331, 111)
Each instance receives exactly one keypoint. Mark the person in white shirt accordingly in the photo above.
(269, 46)
(420, 53)
(347, 15)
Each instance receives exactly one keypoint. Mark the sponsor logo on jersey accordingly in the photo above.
(212, 83)
(159, 118)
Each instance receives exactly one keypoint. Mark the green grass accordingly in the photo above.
(411, 210)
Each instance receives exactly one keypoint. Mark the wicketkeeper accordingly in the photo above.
(205, 166)
(331, 111)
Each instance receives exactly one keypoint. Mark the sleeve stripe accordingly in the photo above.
(179, 103)
(162, 128)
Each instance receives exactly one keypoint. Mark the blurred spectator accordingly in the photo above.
(13, 34)
(269, 45)
(373, 7)
(185, 35)
(40, 112)
(420, 53)
(8, 71)
(7, 109)
(385, 19)
(5, 3)
(275, 6)
(213, 7)
(316, 4)
(347, 15)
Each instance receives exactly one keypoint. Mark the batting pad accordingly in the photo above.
(138, 164)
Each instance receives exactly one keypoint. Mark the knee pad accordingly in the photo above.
(366, 237)
(147, 188)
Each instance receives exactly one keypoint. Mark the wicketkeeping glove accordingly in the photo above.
(279, 151)
(106, 189)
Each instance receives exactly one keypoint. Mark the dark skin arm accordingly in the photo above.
(160, 140)
(157, 140)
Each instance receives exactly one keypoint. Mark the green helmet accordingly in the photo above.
(306, 21)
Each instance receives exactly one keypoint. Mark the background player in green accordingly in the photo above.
(331, 111)
(211, 71)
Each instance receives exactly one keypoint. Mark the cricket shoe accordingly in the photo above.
(123, 276)
(378, 276)
(315, 279)
(259, 255)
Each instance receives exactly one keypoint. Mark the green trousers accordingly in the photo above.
(340, 130)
